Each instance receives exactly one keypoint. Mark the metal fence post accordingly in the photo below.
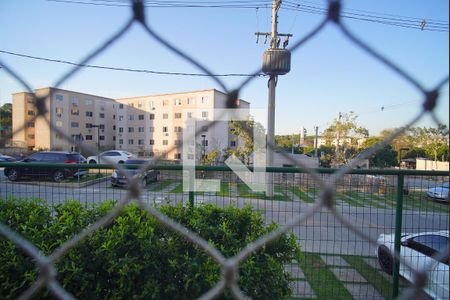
(191, 198)
(398, 233)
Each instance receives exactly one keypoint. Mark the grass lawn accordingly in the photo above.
(321, 279)
(245, 192)
(160, 185)
(84, 178)
(224, 189)
(302, 194)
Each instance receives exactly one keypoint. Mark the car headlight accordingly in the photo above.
(114, 174)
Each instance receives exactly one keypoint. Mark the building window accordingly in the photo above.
(31, 113)
(205, 143)
(177, 156)
(114, 138)
(140, 142)
(74, 111)
(177, 101)
(190, 100)
(165, 116)
(130, 142)
(120, 142)
(178, 129)
(152, 142)
(165, 129)
(114, 127)
(120, 106)
(204, 99)
(74, 124)
(120, 118)
(177, 142)
(177, 115)
(88, 102)
(89, 114)
(141, 129)
(74, 101)
(101, 126)
(165, 142)
(204, 114)
(130, 129)
(151, 129)
(101, 137)
(120, 129)
(131, 104)
(152, 116)
(165, 102)
(88, 125)
(88, 137)
(140, 104)
(151, 104)
(151, 154)
(59, 97)
(101, 115)
(140, 117)
(58, 111)
(30, 100)
(31, 136)
(131, 117)
(233, 143)
(189, 115)
(102, 108)
(58, 124)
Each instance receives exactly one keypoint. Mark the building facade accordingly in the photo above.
(146, 126)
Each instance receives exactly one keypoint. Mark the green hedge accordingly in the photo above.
(135, 257)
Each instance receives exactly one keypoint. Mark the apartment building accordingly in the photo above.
(147, 125)
(72, 113)
(155, 124)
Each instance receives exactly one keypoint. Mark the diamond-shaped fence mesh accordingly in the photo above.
(311, 192)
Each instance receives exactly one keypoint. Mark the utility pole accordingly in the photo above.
(316, 140)
(276, 61)
(338, 136)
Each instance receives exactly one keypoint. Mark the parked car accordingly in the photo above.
(119, 178)
(439, 193)
(419, 250)
(57, 174)
(110, 157)
(6, 158)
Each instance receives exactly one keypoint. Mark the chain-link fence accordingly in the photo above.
(350, 200)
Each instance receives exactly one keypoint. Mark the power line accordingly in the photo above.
(128, 69)
(424, 24)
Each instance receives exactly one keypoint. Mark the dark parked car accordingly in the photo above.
(119, 178)
(6, 158)
(47, 157)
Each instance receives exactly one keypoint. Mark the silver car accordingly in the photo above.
(120, 178)
(439, 193)
(426, 251)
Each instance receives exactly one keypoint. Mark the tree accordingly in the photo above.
(211, 157)
(433, 140)
(344, 133)
(6, 116)
(244, 130)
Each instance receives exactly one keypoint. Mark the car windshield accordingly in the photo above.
(445, 185)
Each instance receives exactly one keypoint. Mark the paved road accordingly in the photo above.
(322, 232)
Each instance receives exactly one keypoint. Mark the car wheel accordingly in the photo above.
(92, 161)
(121, 161)
(13, 174)
(385, 259)
(58, 176)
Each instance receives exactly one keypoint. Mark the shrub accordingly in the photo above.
(137, 257)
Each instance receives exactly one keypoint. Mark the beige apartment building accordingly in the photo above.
(72, 113)
(146, 126)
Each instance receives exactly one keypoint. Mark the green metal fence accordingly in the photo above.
(337, 263)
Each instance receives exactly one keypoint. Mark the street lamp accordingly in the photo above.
(204, 146)
(98, 141)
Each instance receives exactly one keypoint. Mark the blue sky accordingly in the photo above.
(328, 75)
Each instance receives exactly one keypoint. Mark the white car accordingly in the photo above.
(419, 251)
(110, 157)
(439, 193)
